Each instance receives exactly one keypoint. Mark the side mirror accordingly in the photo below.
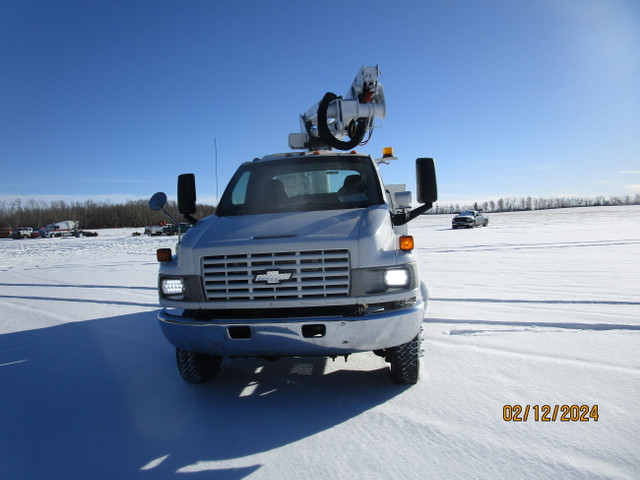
(158, 201)
(187, 193)
(426, 180)
(427, 190)
(187, 196)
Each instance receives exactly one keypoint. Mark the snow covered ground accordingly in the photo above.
(540, 308)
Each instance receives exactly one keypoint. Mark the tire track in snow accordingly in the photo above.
(56, 319)
(530, 246)
(561, 325)
(544, 302)
(79, 285)
(81, 300)
(535, 357)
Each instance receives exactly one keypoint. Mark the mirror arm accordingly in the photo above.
(402, 218)
(190, 219)
(170, 216)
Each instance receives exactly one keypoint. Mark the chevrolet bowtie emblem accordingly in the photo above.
(273, 276)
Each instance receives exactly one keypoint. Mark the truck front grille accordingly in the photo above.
(276, 276)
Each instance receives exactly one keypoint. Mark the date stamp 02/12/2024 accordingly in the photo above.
(550, 413)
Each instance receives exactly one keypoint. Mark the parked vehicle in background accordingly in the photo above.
(173, 229)
(85, 233)
(22, 232)
(153, 230)
(164, 228)
(470, 219)
(68, 228)
(6, 232)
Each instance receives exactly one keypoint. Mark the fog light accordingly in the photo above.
(396, 278)
(172, 286)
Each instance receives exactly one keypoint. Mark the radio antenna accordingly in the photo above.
(215, 151)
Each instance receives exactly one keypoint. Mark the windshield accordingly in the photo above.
(300, 185)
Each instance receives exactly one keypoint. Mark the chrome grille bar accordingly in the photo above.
(277, 275)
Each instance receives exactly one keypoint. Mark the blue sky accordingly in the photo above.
(113, 99)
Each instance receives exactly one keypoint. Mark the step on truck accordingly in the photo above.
(307, 254)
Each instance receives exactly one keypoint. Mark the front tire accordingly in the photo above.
(405, 362)
(197, 367)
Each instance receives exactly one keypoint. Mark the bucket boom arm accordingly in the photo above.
(342, 123)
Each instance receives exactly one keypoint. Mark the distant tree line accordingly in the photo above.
(513, 204)
(137, 214)
(91, 215)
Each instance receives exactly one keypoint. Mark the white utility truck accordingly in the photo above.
(68, 228)
(308, 252)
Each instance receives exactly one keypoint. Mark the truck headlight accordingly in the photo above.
(375, 281)
(172, 286)
(184, 288)
(396, 277)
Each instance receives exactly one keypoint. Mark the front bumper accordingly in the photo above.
(309, 336)
(462, 225)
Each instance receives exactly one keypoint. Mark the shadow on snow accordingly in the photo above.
(103, 399)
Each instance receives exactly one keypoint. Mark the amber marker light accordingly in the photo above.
(406, 243)
(163, 255)
(387, 152)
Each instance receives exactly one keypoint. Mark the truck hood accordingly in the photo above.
(359, 230)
